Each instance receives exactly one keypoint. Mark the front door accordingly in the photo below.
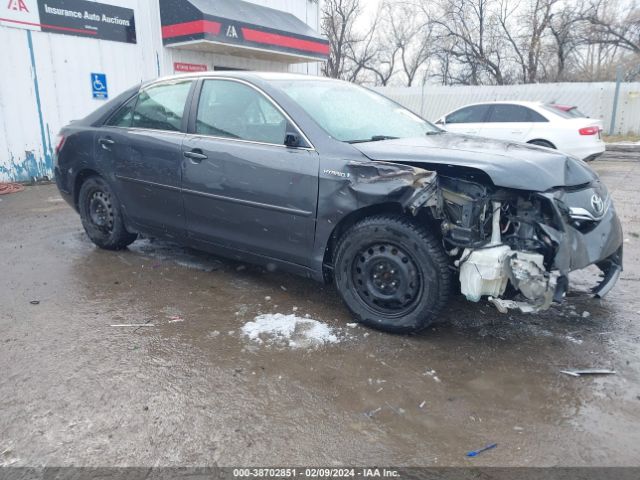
(242, 187)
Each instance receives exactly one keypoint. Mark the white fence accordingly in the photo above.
(594, 99)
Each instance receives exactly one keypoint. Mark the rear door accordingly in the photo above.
(509, 122)
(243, 188)
(468, 120)
(144, 142)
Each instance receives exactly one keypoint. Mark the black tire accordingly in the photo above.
(543, 143)
(101, 215)
(413, 281)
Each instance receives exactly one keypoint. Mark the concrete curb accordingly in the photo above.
(620, 155)
(623, 147)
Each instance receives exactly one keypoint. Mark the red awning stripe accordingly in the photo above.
(249, 34)
(191, 28)
(267, 38)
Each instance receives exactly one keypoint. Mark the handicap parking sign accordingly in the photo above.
(99, 86)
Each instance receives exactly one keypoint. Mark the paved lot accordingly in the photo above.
(194, 390)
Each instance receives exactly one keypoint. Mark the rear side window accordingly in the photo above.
(514, 114)
(124, 116)
(473, 114)
(536, 117)
(234, 110)
(161, 107)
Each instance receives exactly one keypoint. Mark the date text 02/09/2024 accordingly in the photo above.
(315, 473)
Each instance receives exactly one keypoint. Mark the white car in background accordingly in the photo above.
(529, 122)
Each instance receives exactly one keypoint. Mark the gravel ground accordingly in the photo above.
(238, 366)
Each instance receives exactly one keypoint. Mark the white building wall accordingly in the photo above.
(63, 64)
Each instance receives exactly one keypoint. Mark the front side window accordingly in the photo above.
(472, 114)
(351, 113)
(234, 110)
(161, 107)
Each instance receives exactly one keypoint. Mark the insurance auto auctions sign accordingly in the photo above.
(71, 17)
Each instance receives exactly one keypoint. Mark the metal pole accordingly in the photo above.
(424, 81)
(614, 111)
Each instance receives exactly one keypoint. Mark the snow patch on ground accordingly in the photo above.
(290, 331)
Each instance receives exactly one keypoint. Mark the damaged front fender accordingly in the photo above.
(358, 185)
(368, 183)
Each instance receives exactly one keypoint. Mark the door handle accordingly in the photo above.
(106, 142)
(195, 155)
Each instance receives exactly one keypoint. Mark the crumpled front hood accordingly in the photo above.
(509, 165)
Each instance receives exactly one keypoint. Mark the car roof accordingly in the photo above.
(241, 75)
(524, 103)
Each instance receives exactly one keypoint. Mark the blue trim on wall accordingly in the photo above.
(45, 166)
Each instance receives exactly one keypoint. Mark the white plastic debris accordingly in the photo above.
(588, 371)
(573, 339)
(432, 374)
(133, 325)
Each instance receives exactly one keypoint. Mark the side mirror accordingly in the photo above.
(292, 139)
(440, 121)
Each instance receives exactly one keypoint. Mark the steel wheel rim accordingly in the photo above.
(100, 210)
(386, 279)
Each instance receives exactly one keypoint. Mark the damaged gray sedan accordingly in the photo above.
(335, 182)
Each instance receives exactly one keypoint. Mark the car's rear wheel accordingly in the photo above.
(393, 274)
(543, 143)
(101, 215)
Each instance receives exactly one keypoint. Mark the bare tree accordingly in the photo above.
(614, 23)
(475, 42)
(411, 32)
(383, 48)
(363, 52)
(471, 27)
(525, 28)
(563, 26)
(338, 17)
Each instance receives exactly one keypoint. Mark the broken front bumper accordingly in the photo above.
(585, 240)
(579, 239)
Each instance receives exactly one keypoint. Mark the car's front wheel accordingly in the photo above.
(393, 274)
(101, 215)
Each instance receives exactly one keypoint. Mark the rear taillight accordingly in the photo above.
(589, 131)
(59, 143)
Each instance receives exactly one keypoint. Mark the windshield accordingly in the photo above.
(354, 114)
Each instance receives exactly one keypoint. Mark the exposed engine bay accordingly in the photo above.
(514, 246)
(517, 247)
